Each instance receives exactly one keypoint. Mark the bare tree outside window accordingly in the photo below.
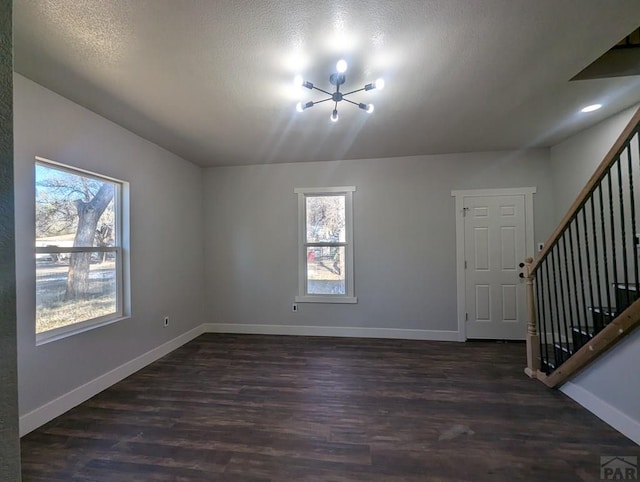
(76, 247)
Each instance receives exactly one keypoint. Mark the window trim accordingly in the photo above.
(121, 265)
(303, 296)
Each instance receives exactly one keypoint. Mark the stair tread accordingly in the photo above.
(604, 310)
(551, 366)
(586, 330)
(628, 287)
(565, 347)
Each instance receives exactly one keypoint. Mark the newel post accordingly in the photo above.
(533, 339)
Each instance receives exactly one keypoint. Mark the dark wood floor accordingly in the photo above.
(266, 408)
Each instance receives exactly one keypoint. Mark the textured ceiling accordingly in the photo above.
(212, 80)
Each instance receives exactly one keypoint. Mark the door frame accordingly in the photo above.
(460, 195)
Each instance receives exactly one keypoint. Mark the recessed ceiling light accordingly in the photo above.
(591, 108)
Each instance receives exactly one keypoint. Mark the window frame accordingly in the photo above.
(121, 265)
(303, 295)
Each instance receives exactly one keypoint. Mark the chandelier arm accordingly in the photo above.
(353, 92)
(351, 102)
(323, 100)
(323, 91)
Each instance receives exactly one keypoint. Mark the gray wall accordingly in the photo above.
(574, 160)
(9, 442)
(166, 241)
(404, 231)
(613, 378)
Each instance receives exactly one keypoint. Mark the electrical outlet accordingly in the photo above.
(294, 307)
(166, 321)
(540, 246)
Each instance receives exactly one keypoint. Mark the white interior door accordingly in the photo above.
(494, 244)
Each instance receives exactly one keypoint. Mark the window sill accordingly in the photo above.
(66, 331)
(326, 299)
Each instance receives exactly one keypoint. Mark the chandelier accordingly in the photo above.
(337, 78)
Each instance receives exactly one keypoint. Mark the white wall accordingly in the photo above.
(610, 387)
(404, 231)
(166, 242)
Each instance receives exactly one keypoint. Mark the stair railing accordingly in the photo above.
(583, 288)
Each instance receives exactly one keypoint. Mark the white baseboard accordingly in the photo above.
(60, 405)
(620, 421)
(340, 331)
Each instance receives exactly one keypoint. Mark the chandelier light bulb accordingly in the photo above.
(334, 116)
(298, 81)
(370, 108)
(341, 66)
(299, 107)
(380, 84)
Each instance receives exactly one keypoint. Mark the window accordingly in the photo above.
(325, 245)
(79, 265)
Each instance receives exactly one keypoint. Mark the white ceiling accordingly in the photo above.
(212, 80)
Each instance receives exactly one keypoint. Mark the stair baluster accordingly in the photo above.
(632, 206)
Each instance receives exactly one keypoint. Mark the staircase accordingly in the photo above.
(598, 316)
(583, 288)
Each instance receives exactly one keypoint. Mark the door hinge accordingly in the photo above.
(466, 317)
(464, 212)
(465, 264)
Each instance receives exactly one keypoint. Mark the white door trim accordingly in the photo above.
(460, 195)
